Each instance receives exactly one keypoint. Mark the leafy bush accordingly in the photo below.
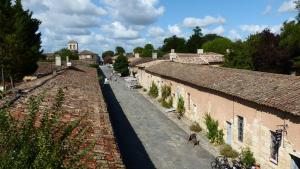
(166, 99)
(247, 157)
(195, 127)
(153, 92)
(180, 107)
(214, 134)
(165, 92)
(42, 139)
(227, 151)
(167, 103)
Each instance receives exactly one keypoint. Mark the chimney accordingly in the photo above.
(200, 51)
(154, 55)
(137, 55)
(172, 55)
(57, 60)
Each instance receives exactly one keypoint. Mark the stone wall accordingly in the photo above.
(259, 120)
(83, 97)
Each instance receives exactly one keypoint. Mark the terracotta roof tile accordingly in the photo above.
(274, 90)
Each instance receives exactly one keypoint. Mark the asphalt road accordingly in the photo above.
(146, 137)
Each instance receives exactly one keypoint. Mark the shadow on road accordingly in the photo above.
(132, 150)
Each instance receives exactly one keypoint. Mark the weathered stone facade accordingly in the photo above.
(259, 120)
(83, 97)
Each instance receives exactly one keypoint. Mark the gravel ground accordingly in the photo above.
(146, 137)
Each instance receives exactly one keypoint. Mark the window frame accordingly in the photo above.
(241, 124)
(273, 149)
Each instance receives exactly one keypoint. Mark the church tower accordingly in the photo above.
(73, 46)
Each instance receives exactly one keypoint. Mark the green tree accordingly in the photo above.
(218, 45)
(119, 50)
(290, 40)
(63, 53)
(298, 8)
(174, 42)
(240, 56)
(209, 37)
(138, 50)
(195, 41)
(121, 65)
(20, 41)
(268, 56)
(147, 51)
(108, 53)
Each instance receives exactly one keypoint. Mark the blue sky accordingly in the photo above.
(100, 25)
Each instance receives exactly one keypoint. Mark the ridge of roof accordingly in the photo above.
(273, 90)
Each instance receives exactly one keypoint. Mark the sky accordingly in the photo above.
(100, 25)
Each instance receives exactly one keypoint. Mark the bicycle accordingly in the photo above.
(220, 162)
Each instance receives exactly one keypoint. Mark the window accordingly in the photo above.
(274, 148)
(240, 128)
(189, 101)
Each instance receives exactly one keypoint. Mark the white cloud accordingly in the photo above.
(155, 32)
(218, 30)
(138, 12)
(234, 35)
(259, 28)
(192, 22)
(287, 6)
(174, 29)
(118, 31)
(267, 10)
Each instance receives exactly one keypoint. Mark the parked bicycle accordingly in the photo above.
(220, 162)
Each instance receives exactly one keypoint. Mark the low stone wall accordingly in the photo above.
(83, 97)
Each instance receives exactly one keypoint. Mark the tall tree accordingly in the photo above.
(209, 37)
(121, 65)
(298, 8)
(268, 56)
(195, 41)
(174, 42)
(240, 56)
(20, 40)
(138, 50)
(219, 45)
(147, 51)
(119, 50)
(108, 53)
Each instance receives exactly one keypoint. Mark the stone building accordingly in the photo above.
(73, 46)
(255, 109)
(87, 55)
(207, 58)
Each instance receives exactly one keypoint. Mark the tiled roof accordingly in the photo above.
(86, 52)
(203, 58)
(140, 61)
(273, 90)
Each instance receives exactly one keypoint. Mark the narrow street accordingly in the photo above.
(146, 137)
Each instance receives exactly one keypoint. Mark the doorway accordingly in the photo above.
(229, 133)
